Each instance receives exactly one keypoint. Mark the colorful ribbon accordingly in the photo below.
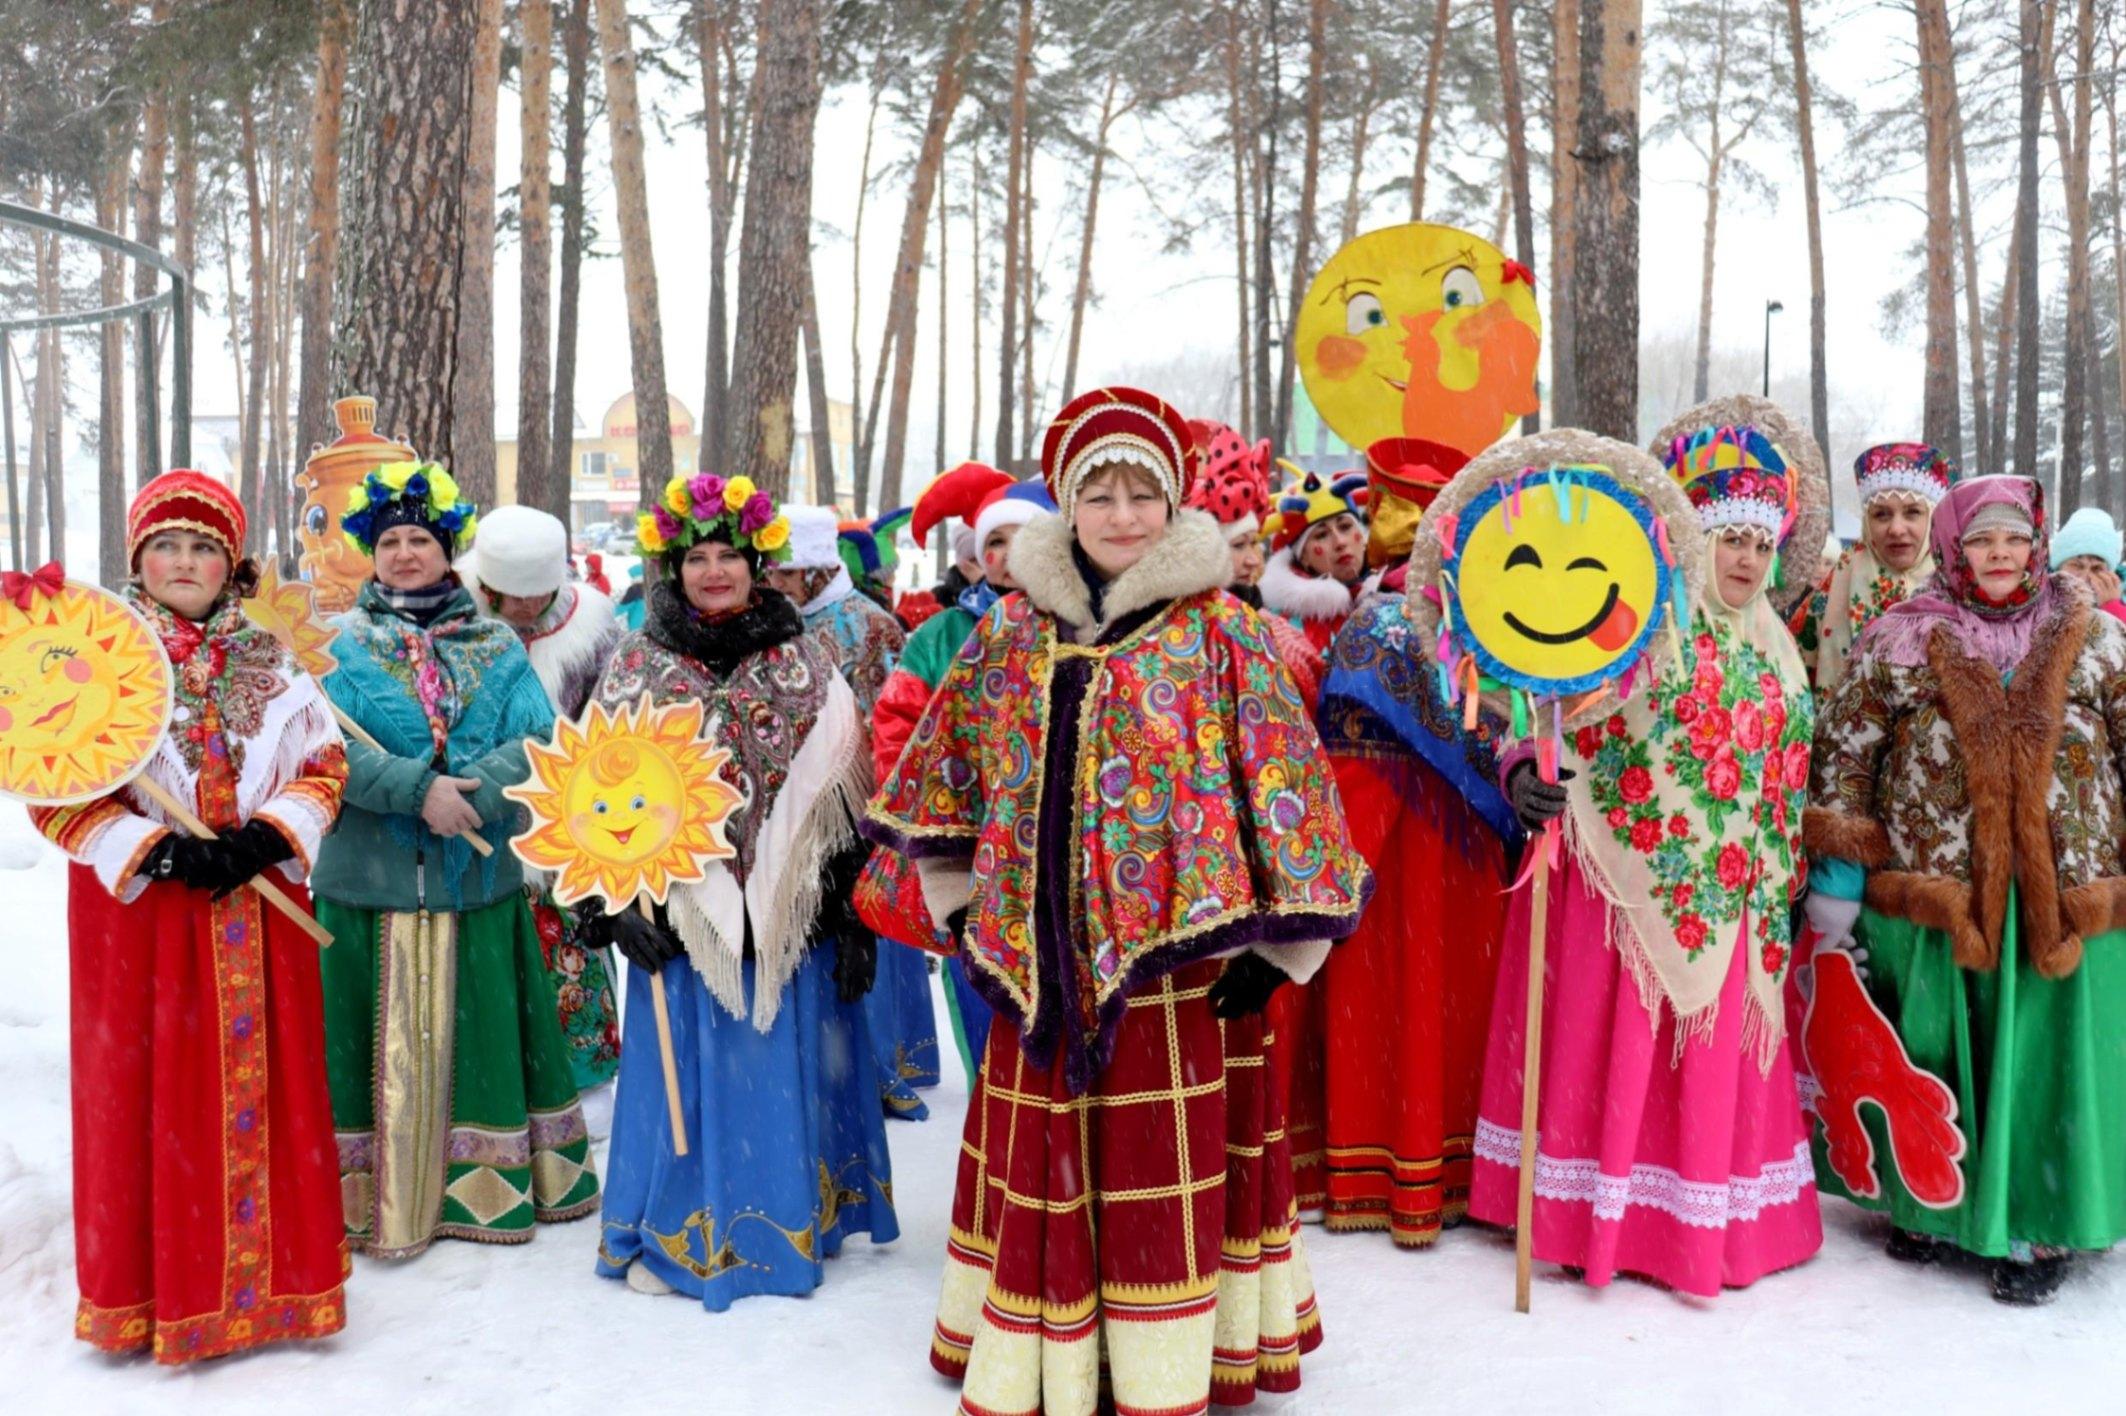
(47, 580)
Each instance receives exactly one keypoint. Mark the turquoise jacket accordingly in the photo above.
(382, 855)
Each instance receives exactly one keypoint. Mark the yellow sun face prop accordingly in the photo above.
(1421, 331)
(1560, 581)
(287, 610)
(626, 804)
(84, 695)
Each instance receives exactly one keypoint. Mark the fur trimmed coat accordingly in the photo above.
(1116, 793)
(1949, 787)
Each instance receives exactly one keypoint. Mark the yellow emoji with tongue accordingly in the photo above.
(1559, 583)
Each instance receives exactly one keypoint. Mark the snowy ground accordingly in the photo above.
(474, 1328)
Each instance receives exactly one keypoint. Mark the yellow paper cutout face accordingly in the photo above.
(1557, 594)
(625, 804)
(1421, 331)
(287, 610)
(84, 695)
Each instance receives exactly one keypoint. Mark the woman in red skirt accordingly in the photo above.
(206, 1192)
(1118, 804)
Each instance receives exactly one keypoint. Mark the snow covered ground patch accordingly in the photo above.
(471, 1327)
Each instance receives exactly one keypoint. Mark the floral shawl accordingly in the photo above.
(1861, 589)
(773, 699)
(1686, 812)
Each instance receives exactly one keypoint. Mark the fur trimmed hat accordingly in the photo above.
(1012, 505)
(520, 550)
(959, 492)
(815, 532)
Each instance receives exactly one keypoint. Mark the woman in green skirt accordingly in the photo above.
(452, 1093)
(1967, 839)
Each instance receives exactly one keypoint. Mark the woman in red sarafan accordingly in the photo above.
(1117, 799)
(206, 1196)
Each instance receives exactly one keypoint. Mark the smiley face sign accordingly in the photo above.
(1546, 569)
(625, 804)
(85, 695)
(1421, 331)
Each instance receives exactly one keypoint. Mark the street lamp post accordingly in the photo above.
(1771, 307)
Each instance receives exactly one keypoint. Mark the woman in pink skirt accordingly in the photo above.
(1671, 1137)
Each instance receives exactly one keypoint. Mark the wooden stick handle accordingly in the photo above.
(1531, 1077)
(357, 731)
(272, 893)
(664, 1046)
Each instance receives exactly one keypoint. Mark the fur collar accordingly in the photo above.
(574, 635)
(720, 644)
(1290, 591)
(1190, 559)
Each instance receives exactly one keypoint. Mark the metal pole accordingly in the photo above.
(1771, 307)
(7, 421)
(181, 371)
(150, 395)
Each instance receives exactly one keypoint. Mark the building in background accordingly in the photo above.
(604, 485)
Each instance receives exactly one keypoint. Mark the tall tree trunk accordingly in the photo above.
(774, 253)
(1715, 152)
(823, 487)
(147, 230)
(1516, 154)
(1264, 176)
(1428, 106)
(111, 486)
(1804, 100)
(645, 331)
(1027, 296)
(862, 428)
(908, 266)
(258, 332)
(1941, 415)
(539, 482)
(184, 197)
(1243, 144)
(1974, 296)
(1605, 291)
(1361, 132)
(472, 450)
(2073, 136)
(1564, 188)
(237, 321)
(1303, 230)
(721, 187)
(51, 389)
(1082, 292)
(313, 403)
(1008, 337)
(577, 39)
(2117, 484)
(944, 321)
(2004, 328)
(2026, 347)
(974, 281)
(403, 229)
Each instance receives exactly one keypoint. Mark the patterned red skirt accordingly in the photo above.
(1142, 1237)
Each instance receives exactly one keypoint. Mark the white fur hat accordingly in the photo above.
(814, 532)
(519, 550)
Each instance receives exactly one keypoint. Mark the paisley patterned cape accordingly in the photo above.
(798, 758)
(1128, 806)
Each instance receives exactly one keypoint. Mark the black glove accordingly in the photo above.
(1244, 989)
(1535, 801)
(245, 853)
(648, 944)
(855, 965)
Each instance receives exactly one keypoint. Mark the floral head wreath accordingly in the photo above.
(697, 508)
(409, 494)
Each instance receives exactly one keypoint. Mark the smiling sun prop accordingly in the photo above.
(287, 610)
(1545, 575)
(625, 804)
(84, 695)
(1420, 331)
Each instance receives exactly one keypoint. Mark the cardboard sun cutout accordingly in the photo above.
(287, 610)
(85, 695)
(1421, 331)
(625, 804)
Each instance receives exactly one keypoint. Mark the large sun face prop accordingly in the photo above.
(287, 610)
(625, 804)
(84, 695)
